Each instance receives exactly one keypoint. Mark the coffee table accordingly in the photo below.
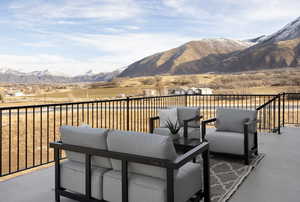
(184, 144)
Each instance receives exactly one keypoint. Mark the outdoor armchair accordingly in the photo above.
(188, 119)
(235, 133)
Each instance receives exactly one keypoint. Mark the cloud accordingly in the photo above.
(77, 9)
(39, 44)
(124, 31)
(53, 63)
(130, 45)
(115, 51)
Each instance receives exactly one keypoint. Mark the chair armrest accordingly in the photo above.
(209, 121)
(151, 123)
(203, 128)
(196, 118)
(186, 122)
(190, 155)
(249, 123)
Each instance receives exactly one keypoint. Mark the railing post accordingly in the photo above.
(127, 112)
(185, 99)
(0, 143)
(283, 109)
(279, 106)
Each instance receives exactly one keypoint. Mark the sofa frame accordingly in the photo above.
(247, 151)
(170, 166)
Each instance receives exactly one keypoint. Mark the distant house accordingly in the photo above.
(18, 93)
(205, 91)
(156, 92)
(190, 91)
(150, 92)
(176, 91)
(15, 94)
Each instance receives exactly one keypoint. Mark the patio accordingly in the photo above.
(275, 179)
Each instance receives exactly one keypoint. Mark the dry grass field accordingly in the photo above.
(256, 82)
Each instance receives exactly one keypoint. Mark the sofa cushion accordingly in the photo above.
(73, 178)
(87, 137)
(166, 115)
(232, 120)
(187, 182)
(185, 113)
(228, 142)
(192, 132)
(143, 144)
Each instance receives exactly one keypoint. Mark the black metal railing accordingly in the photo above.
(25, 131)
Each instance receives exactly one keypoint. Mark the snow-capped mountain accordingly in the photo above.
(192, 57)
(288, 32)
(46, 76)
(278, 50)
(257, 39)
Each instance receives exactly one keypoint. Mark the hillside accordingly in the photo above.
(280, 54)
(181, 60)
(278, 50)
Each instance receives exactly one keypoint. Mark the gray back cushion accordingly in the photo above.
(166, 115)
(232, 120)
(150, 145)
(87, 137)
(185, 113)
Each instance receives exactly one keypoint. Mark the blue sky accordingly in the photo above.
(74, 36)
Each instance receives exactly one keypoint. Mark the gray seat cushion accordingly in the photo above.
(187, 182)
(73, 178)
(227, 142)
(143, 144)
(192, 132)
(87, 137)
(185, 113)
(232, 120)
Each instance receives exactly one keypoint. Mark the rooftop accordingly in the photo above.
(275, 179)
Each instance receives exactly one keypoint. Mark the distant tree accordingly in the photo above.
(158, 85)
(2, 97)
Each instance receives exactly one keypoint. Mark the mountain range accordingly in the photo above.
(45, 76)
(278, 50)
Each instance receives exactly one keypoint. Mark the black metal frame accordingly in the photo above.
(247, 151)
(185, 124)
(170, 166)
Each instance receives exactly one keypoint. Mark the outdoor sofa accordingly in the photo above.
(235, 134)
(121, 166)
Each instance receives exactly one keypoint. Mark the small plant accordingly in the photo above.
(174, 128)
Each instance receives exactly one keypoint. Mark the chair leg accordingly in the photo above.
(256, 143)
(57, 196)
(247, 160)
(197, 197)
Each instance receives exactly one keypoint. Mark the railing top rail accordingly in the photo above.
(292, 93)
(134, 98)
(268, 102)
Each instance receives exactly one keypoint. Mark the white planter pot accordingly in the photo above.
(175, 137)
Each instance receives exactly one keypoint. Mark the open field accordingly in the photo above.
(256, 82)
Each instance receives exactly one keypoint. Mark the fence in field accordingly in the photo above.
(25, 131)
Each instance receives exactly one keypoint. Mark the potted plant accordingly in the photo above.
(174, 129)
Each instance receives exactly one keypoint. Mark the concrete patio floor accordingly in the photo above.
(276, 179)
